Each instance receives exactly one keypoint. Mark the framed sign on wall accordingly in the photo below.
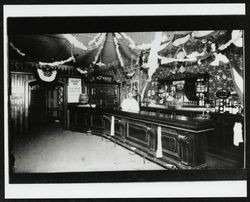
(74, 89)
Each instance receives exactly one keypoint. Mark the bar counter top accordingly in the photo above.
(195, 124)
(191, 123)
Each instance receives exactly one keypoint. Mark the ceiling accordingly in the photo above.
(56, 47)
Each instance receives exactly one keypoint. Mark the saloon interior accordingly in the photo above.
(66, 91)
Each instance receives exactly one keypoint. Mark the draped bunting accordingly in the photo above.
(181, 41)
(57, 62)
(236, 39)
(194, 55)
(153, 55)
(236, 64)
(144, 46)
(118, 52)
(98, 53)
(101, 39)
(206, 46)
(53, 64)
(74, 41)
(219, 58)
(180, 55)
(81, 71)
(152, 63)
(117, 35)
(238, 83)
(16, 49)
(47, 76)
(95, 39)
(132, 43)
(199, 34)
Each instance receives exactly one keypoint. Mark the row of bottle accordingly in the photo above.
(229, 106)
(201, 85)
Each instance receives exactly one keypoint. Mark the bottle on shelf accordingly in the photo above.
(235, 107)
(240, 109)
(216, 105)
(226, 107)
(221, 106)
(230, 106)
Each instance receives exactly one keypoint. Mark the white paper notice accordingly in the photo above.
(74, 90)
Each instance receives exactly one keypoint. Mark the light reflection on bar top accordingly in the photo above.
(161, 115)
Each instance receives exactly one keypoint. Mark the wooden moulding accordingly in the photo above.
(183, 146)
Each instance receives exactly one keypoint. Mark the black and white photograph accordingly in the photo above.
(125, 99)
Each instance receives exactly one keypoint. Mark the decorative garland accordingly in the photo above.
(17, 50)
(118, 52)
(219, 58)
(98, 40)
(81, 71)
(53, 64)
(98, 53)
(132, 43)
(236, 39)
(153, 55)
(181, 41)
(57, 62)
(94, 40)
(117, 35)
(193, 57)
(73, 40)
(199, 34)
(145, 46)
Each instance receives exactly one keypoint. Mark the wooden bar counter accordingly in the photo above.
(172, 141)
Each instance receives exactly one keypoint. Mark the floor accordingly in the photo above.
(51, 149)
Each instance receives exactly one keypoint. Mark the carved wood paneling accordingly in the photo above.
(138, 132)
(170, 144)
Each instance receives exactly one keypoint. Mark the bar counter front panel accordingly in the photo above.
(174, 142)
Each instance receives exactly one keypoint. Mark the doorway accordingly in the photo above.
(55, 104)
(46, 104)
(37, 105)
